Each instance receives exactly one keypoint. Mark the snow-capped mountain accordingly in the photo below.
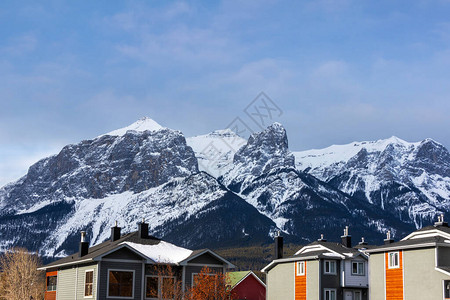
(412, 179)
(215, 151)
(221, 190)
(263, 172)
(145, 171)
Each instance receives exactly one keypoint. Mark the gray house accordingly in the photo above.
(321, 271)
(133, 266)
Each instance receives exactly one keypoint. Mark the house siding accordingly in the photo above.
(443, 258)
(300, 282)
(376, 277)
(103, 277)
(281, 282)
(330, 281)
(66, 284)
(394, 278)
(81, 281)
(422, 281)
(355, 280)
(206, 259)
(312, 280)
(190, 270)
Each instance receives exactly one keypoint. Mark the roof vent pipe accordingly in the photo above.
(322, 239)
(388, 239)
(440, 221)
(363, 242)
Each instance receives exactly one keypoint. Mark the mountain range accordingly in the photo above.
(220, 190)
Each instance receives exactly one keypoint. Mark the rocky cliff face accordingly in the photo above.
(240, 193)
(134, 161)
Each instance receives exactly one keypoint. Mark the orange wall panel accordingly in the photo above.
(50, 295)
(300, 284)
(394, 279)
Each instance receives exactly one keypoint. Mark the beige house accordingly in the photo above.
(319, 271)
(417, 267)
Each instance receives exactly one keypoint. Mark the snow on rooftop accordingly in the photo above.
(140, 125)
(163, 252)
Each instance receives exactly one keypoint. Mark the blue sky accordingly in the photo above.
(340, 70)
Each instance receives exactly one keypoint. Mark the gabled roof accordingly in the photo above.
(102, 249)
(319, 250)
(151, 249)
(237, 277)
(430, 236)
(197, 253)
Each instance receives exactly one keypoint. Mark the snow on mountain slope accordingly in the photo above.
(135, 161)
(140, 125)
(411, 178)
(264, 151)
(337, 154)
(215, 150)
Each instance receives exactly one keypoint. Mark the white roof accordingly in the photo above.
(163, 252)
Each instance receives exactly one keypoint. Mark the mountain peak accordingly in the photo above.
(143, 124)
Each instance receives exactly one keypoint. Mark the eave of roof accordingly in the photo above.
(248, 273)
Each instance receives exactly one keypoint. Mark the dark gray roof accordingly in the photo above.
(103, 248)
(336, 247)
(442, 228)
(411, 243)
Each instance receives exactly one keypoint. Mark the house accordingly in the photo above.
(321, 271)
(417, 267)
(127, 267)
(246, 285)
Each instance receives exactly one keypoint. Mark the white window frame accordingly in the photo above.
(132, 290)
(301, 270)
(84, 286)
(145, 286)
(325, 267)
(360, 294)
(358, 262)
(393, 266)
(46, 281)
(160, 283)
(193, 274)
(329, 291)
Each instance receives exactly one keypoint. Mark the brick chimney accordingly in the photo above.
(278, 246)
(143, 229)
(346, 238)
(84, 246)
(115, 233)
(388, 239)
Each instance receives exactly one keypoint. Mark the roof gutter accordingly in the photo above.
(425, 245)
(65, 264)
(282, 260)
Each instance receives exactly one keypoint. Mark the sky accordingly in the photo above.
(338, 71)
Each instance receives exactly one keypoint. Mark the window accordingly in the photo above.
(357, 268)
(151, 287)
(300, 268)
(88, 283)
(51, 283)
(330, 267)
(120, 283)
(156, 288)
(394, 261)
(446, 289)
(357, 295)
(330, 294)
